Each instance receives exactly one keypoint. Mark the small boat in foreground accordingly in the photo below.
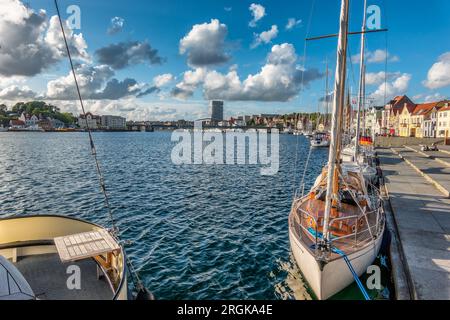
(41, 252)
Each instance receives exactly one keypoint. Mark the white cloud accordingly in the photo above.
(17, 93)
(90, 80)
(133, 109)
(258, 12)
(96, 83)
(205, 44)
(280, 79)
(162, 80)
(31, 43)
(265, 36)
(292, 23)
(439, 74)
(377, 78)
(398, 86)
(377, 56)
(192, 79)
(116, 25)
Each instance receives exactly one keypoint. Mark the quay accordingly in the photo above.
(418, 187)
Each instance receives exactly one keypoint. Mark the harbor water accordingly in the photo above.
(196, 231)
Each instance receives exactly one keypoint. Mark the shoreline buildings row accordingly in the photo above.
(401, 117)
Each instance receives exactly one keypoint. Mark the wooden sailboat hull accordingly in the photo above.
(335, 275)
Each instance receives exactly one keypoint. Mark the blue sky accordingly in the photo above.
(417, 44)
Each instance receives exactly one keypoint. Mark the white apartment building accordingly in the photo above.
(113, 122)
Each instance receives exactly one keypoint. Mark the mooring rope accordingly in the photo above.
(101, 179)
(352, 270)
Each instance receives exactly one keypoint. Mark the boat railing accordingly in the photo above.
(360, 235)
(363, 233)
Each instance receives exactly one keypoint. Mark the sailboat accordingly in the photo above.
(336, 230)
(53, 257)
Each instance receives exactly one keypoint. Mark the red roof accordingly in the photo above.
(17, 123)
(424, 108)
(445, 109)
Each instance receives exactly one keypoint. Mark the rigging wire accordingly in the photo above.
(302, 87)
(101, 179)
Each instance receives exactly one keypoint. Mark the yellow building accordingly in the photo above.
(406, 127)
(443, 122)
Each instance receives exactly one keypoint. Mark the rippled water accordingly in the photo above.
(199, 232)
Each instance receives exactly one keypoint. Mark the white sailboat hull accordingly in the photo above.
(335, 275)
(320, 144)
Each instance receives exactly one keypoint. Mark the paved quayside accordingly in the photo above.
(418, 188)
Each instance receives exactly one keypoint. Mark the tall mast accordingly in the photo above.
(361, 81)
(364, 100)
(338, 102)
(326, 99)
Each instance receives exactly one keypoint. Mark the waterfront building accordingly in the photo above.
(423, 120)
(29, 120)
(406, 129)
(216, 110)
(224, 123)
(93, 121)
(113, 122)
(390, 118)
(443, 121)
(430, 123)
(17, 124)
(373, 120)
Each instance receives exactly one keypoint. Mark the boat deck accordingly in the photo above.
(347, 245)
(48, 277)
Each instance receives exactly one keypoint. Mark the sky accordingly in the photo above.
(164, 60)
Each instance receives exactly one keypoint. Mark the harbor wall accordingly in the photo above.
(388, 142)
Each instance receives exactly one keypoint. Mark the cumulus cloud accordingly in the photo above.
(280, 79)
(16, 93)
(91, 80)
(163, 79)
(124, 54)
(191, 81)
(376, 78)
(205, 44)
(439, 74)
(377, 56)
(116, 25)
(258, 12)
(96, 83)
(133, 109)
(397, 86)
(292, 23)
(31, 42)
(265, 36)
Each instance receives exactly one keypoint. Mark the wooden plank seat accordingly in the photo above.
(85, 245)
